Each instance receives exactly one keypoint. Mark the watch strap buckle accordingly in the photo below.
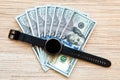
(14, 34)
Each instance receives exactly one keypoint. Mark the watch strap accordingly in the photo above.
(86, 56)
(17, 35)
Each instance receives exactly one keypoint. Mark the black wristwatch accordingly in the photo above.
(54, 46)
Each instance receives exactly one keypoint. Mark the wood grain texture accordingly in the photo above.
(18, 62)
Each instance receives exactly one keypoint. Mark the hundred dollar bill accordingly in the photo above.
(31, 16)
(50, 14)
(66, 17)
(41, 23)
(56, 19)
(75, 35)
(41, 20)
(24, 25)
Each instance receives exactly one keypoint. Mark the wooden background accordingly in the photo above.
(18, 62)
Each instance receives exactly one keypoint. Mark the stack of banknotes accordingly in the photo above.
(70, 26)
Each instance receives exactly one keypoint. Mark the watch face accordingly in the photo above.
(53, 46)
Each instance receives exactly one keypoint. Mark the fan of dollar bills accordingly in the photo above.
(71, 27)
